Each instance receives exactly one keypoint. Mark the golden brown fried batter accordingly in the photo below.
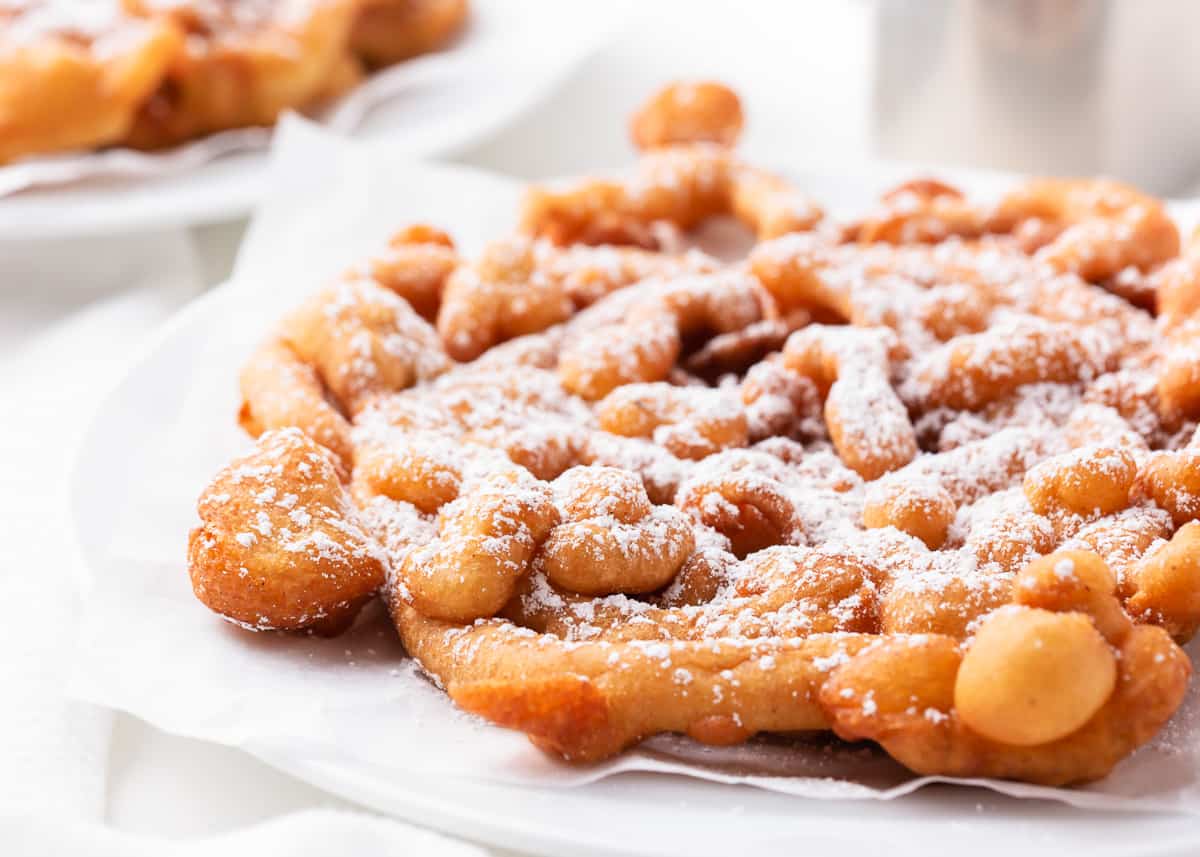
(679, 187)
(415, 266)
(701, 112)
(279, 545)
(920, 478)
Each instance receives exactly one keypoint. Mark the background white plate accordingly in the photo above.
(454, 99)
(639, 814)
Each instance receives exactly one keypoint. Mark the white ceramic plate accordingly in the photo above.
(628, 814)
(450, 101)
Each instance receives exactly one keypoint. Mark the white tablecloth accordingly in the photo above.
(79, 781)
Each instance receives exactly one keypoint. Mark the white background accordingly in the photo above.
(71, 311)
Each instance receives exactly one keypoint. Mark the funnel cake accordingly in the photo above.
(85, 74)
(924, 478)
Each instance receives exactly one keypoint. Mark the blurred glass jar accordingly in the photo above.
(1071, 87)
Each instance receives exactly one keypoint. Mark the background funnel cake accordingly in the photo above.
(86, 74)
(929, 478)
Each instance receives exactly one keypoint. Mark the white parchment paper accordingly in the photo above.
(149, 648)
(509, 53)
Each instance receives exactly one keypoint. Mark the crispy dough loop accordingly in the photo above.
(947, 290)
(1164, 583)
(780, 403)
(839, 591)
(589, 274)
(587, 701)
(955, 612)
(1094, 228)
(689, 422)
(1091, 227)
(1179, 375)
(612, 539)
(793, 269)
(279, 546)
(1074, 581)
(921, 211)
(936, 709)
(1172, 481)
(279, 390)
(681, 185)
(485, 545)
(744, 497)
(642, 349)
(867, 422)
(363, 341)
(685, 112)
(924, 511)
(415, 266)
(499, 297)
(1177, 285)
(426, 475)
(973, 370)
(1092, 480)
(935, 484)
(1011, 539)
(520, 287)
(644, 345)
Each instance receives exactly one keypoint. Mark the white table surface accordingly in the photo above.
(816, 110)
